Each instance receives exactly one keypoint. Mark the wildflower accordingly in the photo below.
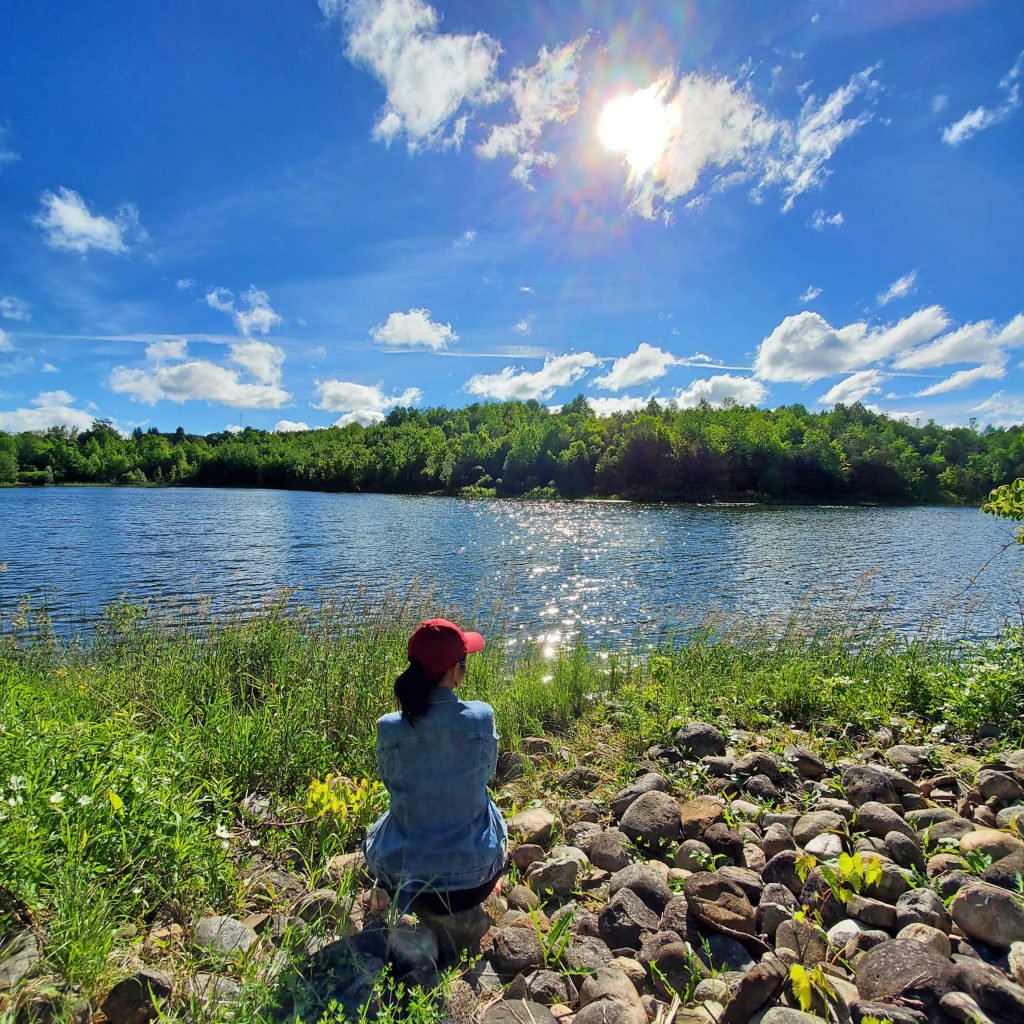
(57, 798)
(222, 832)
(84, 800)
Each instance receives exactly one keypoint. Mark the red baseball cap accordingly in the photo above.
(439, 644)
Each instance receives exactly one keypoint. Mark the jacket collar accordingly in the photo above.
(440, 695)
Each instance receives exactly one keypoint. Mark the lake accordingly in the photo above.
(616, 572)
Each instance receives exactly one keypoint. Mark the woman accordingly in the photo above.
(442, 839)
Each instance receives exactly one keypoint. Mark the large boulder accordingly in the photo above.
(648, 883)
(610, 850)
(515, 950)
(138, 998)
(864, 783)
(652, 819)
(902, 969)
(648, 783)
(18, 959)
(223, 935)
(989, 914)
(700, 739)
(623, 920)
(696, 815)
(718, 903)
(532, 826)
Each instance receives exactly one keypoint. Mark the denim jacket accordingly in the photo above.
(442, 831)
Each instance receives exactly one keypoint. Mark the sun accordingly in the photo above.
(636, 126)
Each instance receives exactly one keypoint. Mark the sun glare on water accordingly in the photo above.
(636, 126)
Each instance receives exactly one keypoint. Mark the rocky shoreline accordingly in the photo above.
(724, 884)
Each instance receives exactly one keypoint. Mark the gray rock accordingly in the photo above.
(579, 779)
(581, 834)
(532, 826)
(1005, 871)
(777, 904)
(721, 953)
(718, 902)
(997, 996)
(414, 949)
(520, 897)
(138, 998)
(672, 967)
(586, 953)
(913, 759)
(888, 1011)
(649, 783)
(805, 761)
(606, 988)
(785, 1015)
(549, 988)
(827, 846)
(878, 820)
(902, 969)
(934, 937)
(873, 913)
(804, 940)
(517, 1011)
(1008, 815)
(905, 851)
(867, 783)
(781, 869)
(814, 824)
(610, 850)
(749, 881)
(457, 932)
(756, 988)
(515, 950)
(623, 920)
(951, 882)
(776, 839)
(692, 855)
(724, 841)
(958, 1006)
(698, 814)
(555, 877)
(18, 959)
(761, 762)
(760, 787)
(223, 935)
(989, 914)
(843, 933)
(582, 810)
(700, 739)
(1001, 786)
(649, 884)
(210, 989)
(922, 906)
(652, 819)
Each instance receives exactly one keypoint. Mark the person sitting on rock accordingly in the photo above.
(442, 842)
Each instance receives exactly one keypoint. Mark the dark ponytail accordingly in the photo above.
(412, 688)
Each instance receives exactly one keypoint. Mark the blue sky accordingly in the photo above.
(305, 213)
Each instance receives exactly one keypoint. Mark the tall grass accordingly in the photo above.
(125, 757)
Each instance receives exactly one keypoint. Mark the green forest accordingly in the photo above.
(523, 448)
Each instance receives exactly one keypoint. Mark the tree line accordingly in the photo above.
(524, 448)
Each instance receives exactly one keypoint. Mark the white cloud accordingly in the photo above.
(465, 239)
(184, 284)
(167, 351)
(526, 288)
(233, 428)
(716, 127)
(257, 316)
(608, 406)
(414, 329)
(855, 388)
(49, 409)
(939, 103)
(647, 363)
(821, 220)
(360, 403)
(509, 383)
(260, 358)
(523, 327)
(983, 117)
(719, 389)
(22, 364)
(1001, 410)
(811, 294)
(979, 342)
(806, 347)
(542, 94)
(50, 368)
(165, 378)
(67, 223)
(428, 75)
(221, 299)
(900, 288)
(964, 379)
(13, 308)
(5, 341)
(289, 426)
(7, 155)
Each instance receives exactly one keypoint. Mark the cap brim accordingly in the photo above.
(474, 642)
